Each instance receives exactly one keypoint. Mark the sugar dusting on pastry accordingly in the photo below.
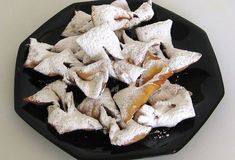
(121, 4)
(97, 47)
(67, 43)
(170, 105)
(91, 106)
(91, 79)
(159, 30)
(143, 13)
(55, 65)
(114, 17)
(100, 40)
(51, 93)
(37, 52)
(79, 24)
(72, 119)
(135, 51)
(126, 72)
(132, 133)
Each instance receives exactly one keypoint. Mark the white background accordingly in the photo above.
(215, 140)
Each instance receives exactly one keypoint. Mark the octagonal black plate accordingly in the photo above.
(203, 79)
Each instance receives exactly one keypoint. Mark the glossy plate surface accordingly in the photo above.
(203, 79)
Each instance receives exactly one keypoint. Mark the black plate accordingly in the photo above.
(203, 79)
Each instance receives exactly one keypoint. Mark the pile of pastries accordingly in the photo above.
(96, 48)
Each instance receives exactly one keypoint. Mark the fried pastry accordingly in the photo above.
(178, 60)
(135, 51)
(181, 59)
(81, 54)
(126, 72)
(121, 4)
(37, 52)
(160, 31)
(125, 38)
(133, 132)
(43, 97)
(91, 107)
(91, 79)
(153, 65)
(80, 23)
(113, 17)
(72, 119)
(97, 47)
(67, 43)
(170, 105)
(130, 99)
(98, 41)
(50, 94)
(143, 13)
(56, 65)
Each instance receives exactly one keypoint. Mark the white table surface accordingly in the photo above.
(215, 140)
